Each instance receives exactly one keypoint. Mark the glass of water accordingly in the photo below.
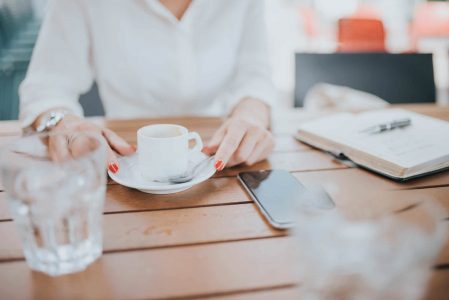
(377, 257)
(56, 198)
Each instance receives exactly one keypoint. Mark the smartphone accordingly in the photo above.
(277, 193)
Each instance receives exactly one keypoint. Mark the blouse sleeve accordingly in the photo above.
(253, 72)
(60, 68)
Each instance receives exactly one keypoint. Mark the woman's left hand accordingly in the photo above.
(242, 138)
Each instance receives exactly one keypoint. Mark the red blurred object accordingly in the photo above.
(431, 20)
(309, 20)
(361, 35)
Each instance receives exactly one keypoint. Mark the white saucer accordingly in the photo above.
(129, 175)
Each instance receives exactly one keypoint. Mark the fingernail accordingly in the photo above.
(113, 168)
(205, 149)
(219, 165)
(134, 147)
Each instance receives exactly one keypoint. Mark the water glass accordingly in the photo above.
(56, 194)
(383, 257)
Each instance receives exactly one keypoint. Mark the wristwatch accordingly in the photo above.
(50, 120)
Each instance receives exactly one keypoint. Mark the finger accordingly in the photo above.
(246, 148)
(117, 143)
(215, 141)
(228, 146)
(80, 145)
(262, 149)
(58, 148)
(113, 165)
(210, 150)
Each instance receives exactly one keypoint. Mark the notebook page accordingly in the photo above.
(427, 139)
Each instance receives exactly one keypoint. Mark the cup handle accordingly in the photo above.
(198, 142)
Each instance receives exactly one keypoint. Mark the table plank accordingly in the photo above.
(290, 161)
(418, 217)
(162, 273)
(438, 287)
(10, 128)
(348, 189)
(4, 140)
(287, 121)
(197, 271)
(431, 110)
(224, 191)
(356, 179)
(165, 228)
(443, 257)
(4, 210)
(191, 122)
(284, 293)
(213, 192)
(289, 144)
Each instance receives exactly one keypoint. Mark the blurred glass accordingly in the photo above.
(388, 257)
(57, 204)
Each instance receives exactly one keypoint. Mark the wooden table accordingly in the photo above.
(211, 241)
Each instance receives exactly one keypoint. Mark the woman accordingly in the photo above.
(154, 58)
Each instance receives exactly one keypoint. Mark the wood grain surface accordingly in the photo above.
(211, 242)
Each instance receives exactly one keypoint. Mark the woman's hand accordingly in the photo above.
(243, 137)
(61, 149)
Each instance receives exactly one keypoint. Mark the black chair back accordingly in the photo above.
(396, 78)
(91, 102)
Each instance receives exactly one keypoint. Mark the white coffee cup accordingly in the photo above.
(163, 150)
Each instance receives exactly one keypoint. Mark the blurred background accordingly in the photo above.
(374, 41)
(323, 26)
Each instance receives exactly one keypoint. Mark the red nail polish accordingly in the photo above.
(113, 168)
(219, 165)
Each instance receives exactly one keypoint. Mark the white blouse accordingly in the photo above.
(145, 61)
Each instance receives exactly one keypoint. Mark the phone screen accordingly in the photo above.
(276, 192)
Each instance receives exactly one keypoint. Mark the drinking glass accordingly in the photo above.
(382, 257)
(57, 200)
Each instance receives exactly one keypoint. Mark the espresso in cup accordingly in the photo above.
(163, 150)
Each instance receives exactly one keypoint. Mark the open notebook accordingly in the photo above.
(401, 154)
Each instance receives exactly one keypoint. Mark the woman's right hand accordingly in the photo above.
(61, 148)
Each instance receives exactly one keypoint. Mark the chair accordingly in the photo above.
(361, 35)
(91, 102)
(397, 78)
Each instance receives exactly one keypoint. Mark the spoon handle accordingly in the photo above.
(201, 165)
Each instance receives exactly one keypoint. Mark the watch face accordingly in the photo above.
(50, 121)
(53, 121)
